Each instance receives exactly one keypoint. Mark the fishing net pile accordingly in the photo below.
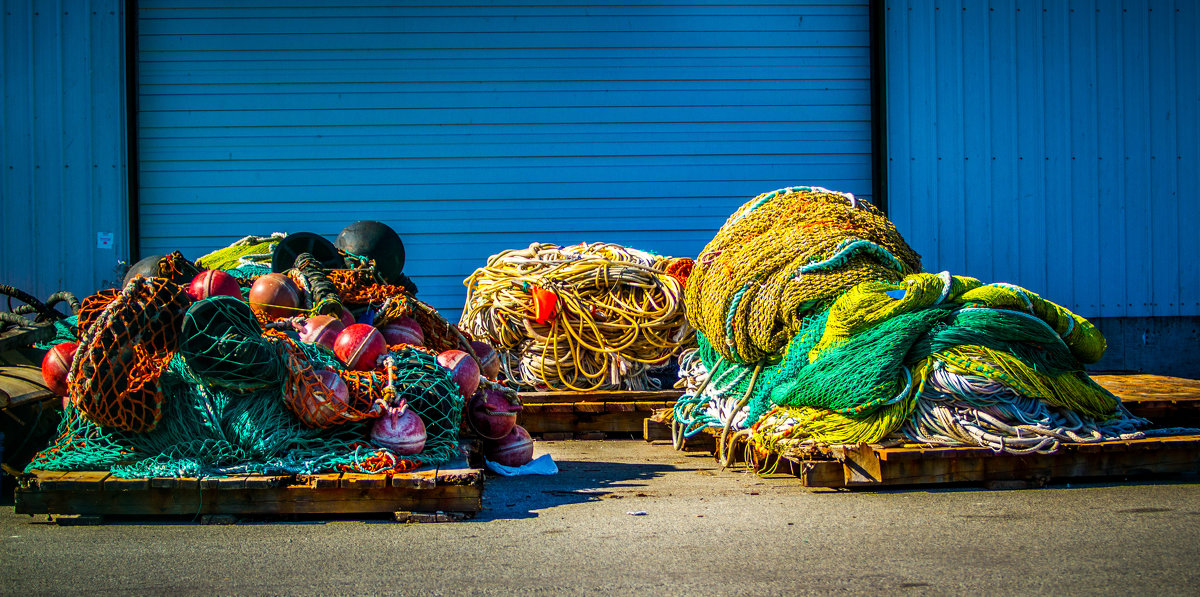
(583, 317)
(162, 384)
(815, 324)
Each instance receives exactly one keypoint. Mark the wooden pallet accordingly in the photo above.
(1167, 401)
(583, 413)
(873, 465)
(21, 377)
(657, 427)
(97, 493)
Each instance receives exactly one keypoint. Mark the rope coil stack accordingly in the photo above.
(584, 317)
(162, 385)
(815, 325)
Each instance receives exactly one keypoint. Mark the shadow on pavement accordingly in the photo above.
(577, 481)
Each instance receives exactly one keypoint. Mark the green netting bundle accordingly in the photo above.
(883, 351)
(430, 390)
(223, 345)
(223, 428)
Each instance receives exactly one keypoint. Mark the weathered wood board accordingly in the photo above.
(21, 377)
(868, 465)
(97, 493)
(583, 412)
(1167, 401)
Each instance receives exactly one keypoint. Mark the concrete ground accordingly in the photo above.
(625, 516)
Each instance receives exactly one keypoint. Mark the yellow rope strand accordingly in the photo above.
(617, 313)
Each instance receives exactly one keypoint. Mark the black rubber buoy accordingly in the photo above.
(378, 241)
(147, 267)
(292, 245)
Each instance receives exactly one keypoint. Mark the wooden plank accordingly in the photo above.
(821, 473)
(117, 484)
(574, 422)
(459, 474)
(918, 452)
(230, 483)
(1113, 459)
(1150, 387)
(364, 481)
(321, 481)
(621, 407)
(46, 479)
(271, 501)
(655, 431)
(268, 481)
(651, 406)
(25, 336)
(861, 464)
(424, 479)
(588, 407)
(662, 415)
(163, 482)
(20, 384)
(81, 480)
(529, 398)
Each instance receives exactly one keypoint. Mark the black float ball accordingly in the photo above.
(147, 267)
(377, 241)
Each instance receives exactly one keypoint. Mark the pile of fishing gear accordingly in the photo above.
(815, 325)
(585, 317)
(284, 354)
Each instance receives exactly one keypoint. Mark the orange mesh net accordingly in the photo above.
(361, 288)
(366, 387)
(380, 462)
(125, 347)
(91, 307)
(680, 269)
(315, 403)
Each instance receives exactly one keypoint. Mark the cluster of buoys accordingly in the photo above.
(191, 361)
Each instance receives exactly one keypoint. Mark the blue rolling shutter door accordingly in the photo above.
(471, 129)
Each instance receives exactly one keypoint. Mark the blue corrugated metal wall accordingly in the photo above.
(62, 146)
(1051, 144)
(488, 125)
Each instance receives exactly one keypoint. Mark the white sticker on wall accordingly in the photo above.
(104, 240)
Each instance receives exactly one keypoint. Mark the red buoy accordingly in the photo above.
(464, 370)
(214, 282)
(320, 329)
(56, 365)
(403, 330)
(332, 402)
(491, 414)
(489, 361)
(401, 431)
(514, 449)
(275, 296)
(359, 346)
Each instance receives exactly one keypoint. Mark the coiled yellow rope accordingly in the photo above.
(618, 312)
(783, 255)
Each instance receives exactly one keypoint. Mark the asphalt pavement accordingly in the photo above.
(625, 517)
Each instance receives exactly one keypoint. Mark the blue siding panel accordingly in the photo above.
(1052, 145)
(488, 124)
(1187, 150)
(62, 152)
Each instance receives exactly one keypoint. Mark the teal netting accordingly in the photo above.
(64, 331)
(729, 378)
(209, 431)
